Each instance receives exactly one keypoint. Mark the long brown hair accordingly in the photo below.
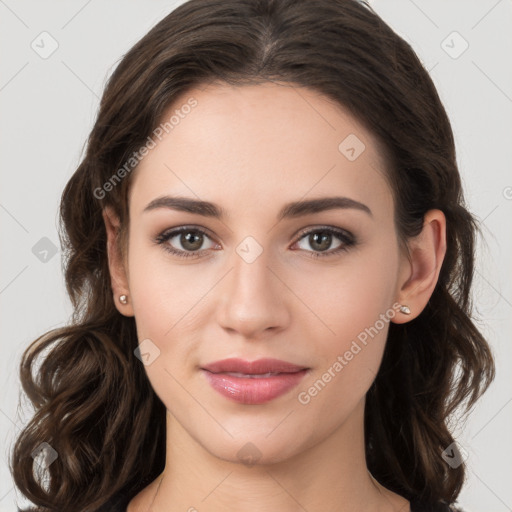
(93, 402)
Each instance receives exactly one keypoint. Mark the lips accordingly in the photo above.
(253, 382)
(258, 367)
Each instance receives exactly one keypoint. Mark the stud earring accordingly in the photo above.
(123, 299)
(405, 310)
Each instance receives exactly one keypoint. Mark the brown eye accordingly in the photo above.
(184, 242)
(320, 241)
(191, 240)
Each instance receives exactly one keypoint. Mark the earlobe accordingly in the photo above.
(422, 268)
(118, 274)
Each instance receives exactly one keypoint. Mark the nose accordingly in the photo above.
(253, 298)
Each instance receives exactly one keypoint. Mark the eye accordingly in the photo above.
(321, 239)
(190, 239)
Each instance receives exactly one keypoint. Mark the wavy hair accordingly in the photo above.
(92, 400)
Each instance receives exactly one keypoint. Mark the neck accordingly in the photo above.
(331, 475)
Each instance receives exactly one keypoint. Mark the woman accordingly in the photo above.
(270, 261)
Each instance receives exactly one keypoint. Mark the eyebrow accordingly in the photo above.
(289, 210)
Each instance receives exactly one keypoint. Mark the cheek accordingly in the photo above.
(163, 302)
(355, 303)
(164, 292)
(350, 297)
(348, 361)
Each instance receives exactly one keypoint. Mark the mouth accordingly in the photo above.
(249, 375)
(257, 367)
(253, 383)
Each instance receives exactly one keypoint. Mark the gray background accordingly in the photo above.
(48, 107)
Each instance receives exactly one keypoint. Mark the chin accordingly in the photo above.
(250, 450)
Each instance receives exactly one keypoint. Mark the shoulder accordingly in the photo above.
(420, 506)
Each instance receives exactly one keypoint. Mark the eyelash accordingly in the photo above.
(348, 240)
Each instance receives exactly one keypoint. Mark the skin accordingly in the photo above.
(251, 149)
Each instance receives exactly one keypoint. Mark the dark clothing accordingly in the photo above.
(418, 506)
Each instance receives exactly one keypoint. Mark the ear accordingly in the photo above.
(117, 267)
(420, 271)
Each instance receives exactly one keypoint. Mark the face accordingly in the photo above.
(314, 287)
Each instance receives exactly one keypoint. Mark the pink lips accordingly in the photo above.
(253, 382)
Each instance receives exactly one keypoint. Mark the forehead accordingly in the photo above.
(256, 145)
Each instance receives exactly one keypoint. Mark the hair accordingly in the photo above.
(91, 397)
